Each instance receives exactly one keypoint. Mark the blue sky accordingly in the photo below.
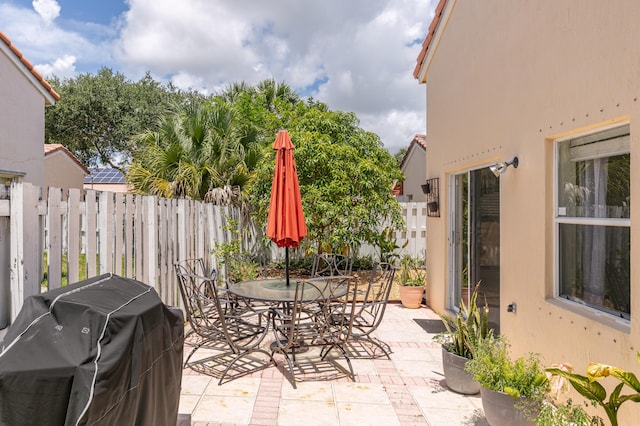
(355, 55)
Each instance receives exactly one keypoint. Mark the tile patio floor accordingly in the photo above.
(409, 389)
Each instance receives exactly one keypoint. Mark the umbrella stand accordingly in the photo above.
(286, 264)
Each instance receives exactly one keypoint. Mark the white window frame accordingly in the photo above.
(558, 220)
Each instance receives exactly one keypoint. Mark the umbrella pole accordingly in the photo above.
(286, 263)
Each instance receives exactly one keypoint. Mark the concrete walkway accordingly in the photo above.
(409, 389)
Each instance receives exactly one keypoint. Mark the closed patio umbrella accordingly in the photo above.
(285, 226)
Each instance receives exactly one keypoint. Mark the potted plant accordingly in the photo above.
(512, 391)
(411, 282)
(459, 342)
(589, 387)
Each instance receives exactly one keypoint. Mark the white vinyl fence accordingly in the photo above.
(134, 236)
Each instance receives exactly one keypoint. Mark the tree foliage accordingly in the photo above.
(98, 114)
(218, 148)
(199, 152)
(345, 177)
(400, 154)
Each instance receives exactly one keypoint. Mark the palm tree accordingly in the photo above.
(199, 153)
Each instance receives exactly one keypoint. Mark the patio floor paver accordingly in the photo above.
(408, 389)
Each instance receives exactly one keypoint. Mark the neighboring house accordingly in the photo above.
(23, 97)
(413, 166)
(61, 168)
(556, 84)
(106, 179)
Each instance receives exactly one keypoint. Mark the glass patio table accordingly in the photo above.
(277, 290)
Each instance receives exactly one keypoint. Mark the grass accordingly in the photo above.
(82, 273)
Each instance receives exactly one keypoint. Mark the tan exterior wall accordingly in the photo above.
(507, 78)
(110, 187)
(21, 123)
(60, 171)
(414, 172)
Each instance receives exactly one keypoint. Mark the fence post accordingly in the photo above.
(73, 235)
(182, 230)
(151, 240)
(91, 233)
(26, 247)
(54, 238)
(105, 226)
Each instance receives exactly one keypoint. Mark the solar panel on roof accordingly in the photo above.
(105, 175)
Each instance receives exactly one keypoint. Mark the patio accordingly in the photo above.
(406, 390)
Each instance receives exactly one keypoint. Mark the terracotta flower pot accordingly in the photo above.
(410, 296)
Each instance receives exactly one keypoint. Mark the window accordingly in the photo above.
(592, 220)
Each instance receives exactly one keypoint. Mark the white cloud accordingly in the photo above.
(62, 67)
(49, 10)
(187, 81)
(396, 128)
(355, 55)
(45, 43)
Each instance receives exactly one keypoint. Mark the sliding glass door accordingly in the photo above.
(475, 240)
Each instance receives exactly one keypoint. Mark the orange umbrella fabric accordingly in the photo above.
(285, 226)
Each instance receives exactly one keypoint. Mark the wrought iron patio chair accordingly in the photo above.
(370, 308)
(306, 322)
(329, 264)
(195, 266)
(232, 334)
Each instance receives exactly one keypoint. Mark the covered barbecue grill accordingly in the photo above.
(101, 351)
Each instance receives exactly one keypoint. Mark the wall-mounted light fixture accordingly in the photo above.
(500, 168)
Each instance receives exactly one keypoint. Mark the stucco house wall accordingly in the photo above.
(62, 169)
(507, 78)
(109, 187)
(23, 96)
(413, 165)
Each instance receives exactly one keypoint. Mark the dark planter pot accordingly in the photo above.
(500, 409)
(458, 380)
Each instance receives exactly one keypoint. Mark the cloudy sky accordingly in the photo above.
(354, 55)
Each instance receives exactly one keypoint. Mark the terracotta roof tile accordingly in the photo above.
(29, 66)
(418, 139)
(26, 63)
(427, 41)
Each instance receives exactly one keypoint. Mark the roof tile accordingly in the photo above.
(29, 66)
(427, 41)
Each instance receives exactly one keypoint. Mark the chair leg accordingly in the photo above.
(291, 365)
(378, 344)
(195, 348)
(327, 348)
(240, 355)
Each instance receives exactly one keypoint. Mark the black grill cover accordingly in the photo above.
(102, 351)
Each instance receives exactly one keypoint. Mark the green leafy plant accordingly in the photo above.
(466, 329)
(237, 262)
(494, 369)
(386, 242)
(566, 414)
(588, 386)
(412, 272)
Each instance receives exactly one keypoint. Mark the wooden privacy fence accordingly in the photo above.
(134, 236)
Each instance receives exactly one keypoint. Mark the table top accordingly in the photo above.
(276, 289)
